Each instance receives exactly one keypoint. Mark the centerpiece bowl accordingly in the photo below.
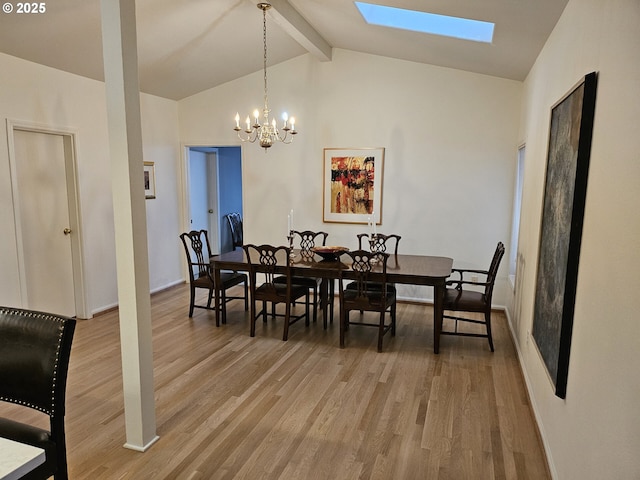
(331, 253)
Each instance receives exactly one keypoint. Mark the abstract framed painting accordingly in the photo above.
(565, 192)
(352, 187)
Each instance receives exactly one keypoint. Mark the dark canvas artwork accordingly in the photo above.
(560, 238)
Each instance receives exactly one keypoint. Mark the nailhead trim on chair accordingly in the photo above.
(24, 313)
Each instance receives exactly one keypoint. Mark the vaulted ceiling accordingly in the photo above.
(187, 46)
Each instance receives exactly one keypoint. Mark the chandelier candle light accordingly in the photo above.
(267, 132)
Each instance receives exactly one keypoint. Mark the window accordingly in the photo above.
(515, 226)
(424, 22)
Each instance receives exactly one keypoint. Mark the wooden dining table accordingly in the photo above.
(401, 269)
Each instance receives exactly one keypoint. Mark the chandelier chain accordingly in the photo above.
(264, 59)
(267, 132)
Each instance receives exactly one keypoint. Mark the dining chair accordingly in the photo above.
(367, 267)
(459, 299)
(378, 243)
(307, 240)
(235, 227)
(35, 348)
(271, 262)
(198, 252)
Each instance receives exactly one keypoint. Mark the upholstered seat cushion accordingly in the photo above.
(297, 291)
(373, 296)
(371, 286)
(306, 281)
(466, 300)
(229, 279)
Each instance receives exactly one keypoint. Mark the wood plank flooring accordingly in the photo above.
(232, 407)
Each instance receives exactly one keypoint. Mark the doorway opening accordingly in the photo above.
(213, 190)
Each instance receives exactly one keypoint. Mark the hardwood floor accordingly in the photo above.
(230, 406)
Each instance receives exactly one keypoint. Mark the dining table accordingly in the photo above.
(17, 459)
(401, 269)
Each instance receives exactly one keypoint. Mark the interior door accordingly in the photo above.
(43, 215)
(198, 191)
(203, 194)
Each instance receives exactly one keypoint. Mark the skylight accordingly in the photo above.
(463, 28)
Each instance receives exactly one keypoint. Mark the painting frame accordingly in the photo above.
(568, 156)
(352, 185)
(149, 172)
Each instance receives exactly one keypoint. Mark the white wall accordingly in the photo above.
(450, 140)
(595, 432)
(36, 94)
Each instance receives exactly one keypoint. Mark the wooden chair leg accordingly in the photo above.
(381, 331)
(210, 297)
(246, 296)
(223, 306)
(487, 318)
(192, 301)
(287, 317)
(393, 320)
(344, 317)
(252, 331)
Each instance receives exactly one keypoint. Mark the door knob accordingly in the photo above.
(67, 231)
(210, 210)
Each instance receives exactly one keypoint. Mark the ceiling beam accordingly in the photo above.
(299, 29)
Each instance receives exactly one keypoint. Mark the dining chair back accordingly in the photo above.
(198, 252)
(235, 227)
(461, 299)
(35, 348)
(379, 242)
(273, 262)
(308, 239)
(367, 268)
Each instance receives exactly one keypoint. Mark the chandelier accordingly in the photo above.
(266, 133)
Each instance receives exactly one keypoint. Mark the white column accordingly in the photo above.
(125, 143)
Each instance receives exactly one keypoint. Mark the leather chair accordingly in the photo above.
(200, 273)
(360, 296)
(460, 300)
(34, 358)
(271, 261)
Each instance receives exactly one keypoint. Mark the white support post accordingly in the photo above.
(125, 143)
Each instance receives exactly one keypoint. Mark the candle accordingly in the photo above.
(369, 224)
(288, 225)
(291, 216)
(285, 117)
(248, 124)
(237, 120)
(374, 223)
(292, 122)
(256, 114)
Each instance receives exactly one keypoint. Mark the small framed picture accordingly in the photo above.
(149, 180)
(352, 191)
